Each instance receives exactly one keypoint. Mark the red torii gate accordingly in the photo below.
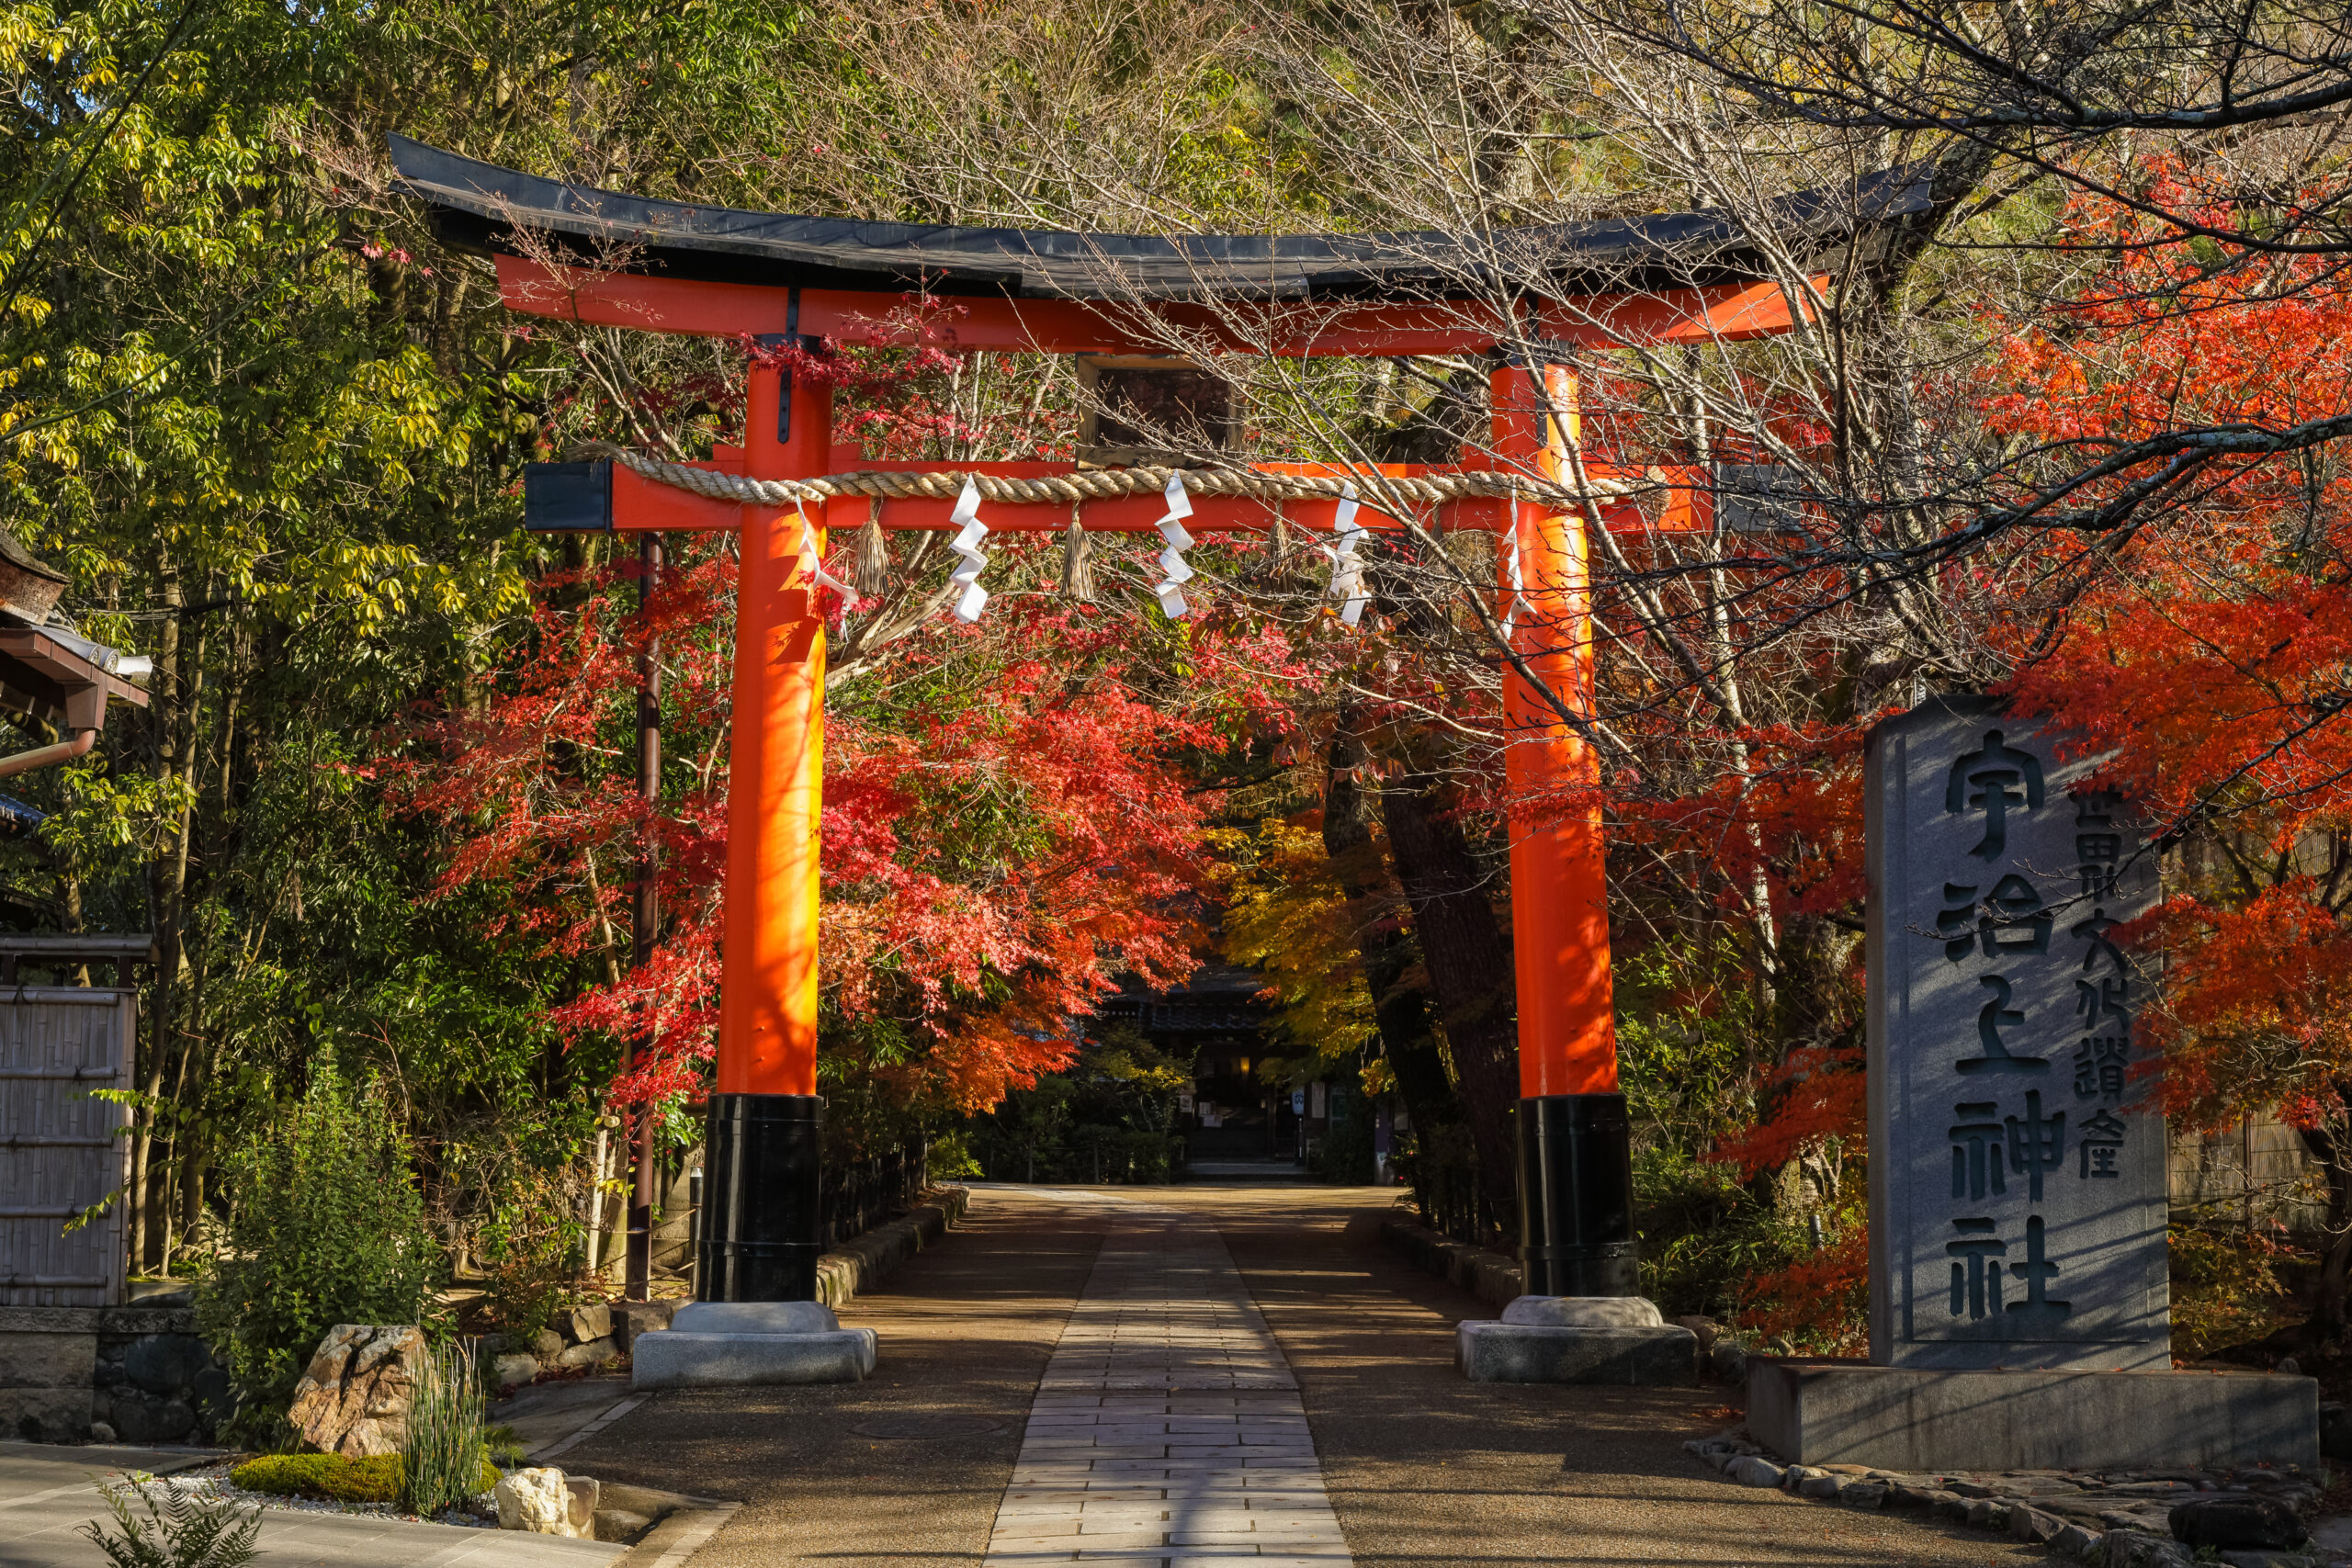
(715, 272)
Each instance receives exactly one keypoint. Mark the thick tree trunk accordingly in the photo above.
(1471, 977)
(1400, 1011)
(2336, 1262)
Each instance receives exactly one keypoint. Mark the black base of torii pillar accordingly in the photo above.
(761, 1227)
(1576, 1197)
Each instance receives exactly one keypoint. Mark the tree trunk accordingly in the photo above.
(1471, 975)
(2328, 1147)
(1400, 1011)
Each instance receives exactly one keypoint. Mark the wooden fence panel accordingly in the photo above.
(61, 1148)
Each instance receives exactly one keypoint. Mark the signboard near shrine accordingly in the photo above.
(2018, 1164)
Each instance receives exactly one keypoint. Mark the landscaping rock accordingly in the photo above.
(1729, 1361)
(2138, 1549)
(620, 1525)
(633, 1318)
(354, 1396)
(580, 1493)
(546, 1344)
(588, 1355)
(101, 1433)
(1750, 1471)
(1820, 1487)
(591, 1322)
(2077, 1541)
(1863, 1494)
(1988, 1514)
(2031, 1524)
(2227, 1520)
(544, 1502)
(514, 1371)
(1706, 1330)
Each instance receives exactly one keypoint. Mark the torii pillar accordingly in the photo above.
(763, 1224)
(1576, 1166)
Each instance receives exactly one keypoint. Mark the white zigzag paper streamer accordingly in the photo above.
(817, 560)
(1173, 572)
(967, 544)
(1347, 572)
(1510, 575)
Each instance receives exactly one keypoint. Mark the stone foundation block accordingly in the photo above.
(1527, 1352)
(48, 1360)
(731, 1344)
(45, 1414)
(1919, 1420)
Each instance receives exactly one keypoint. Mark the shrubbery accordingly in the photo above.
(332, 1478)
(329, 1477)
(326, 1227)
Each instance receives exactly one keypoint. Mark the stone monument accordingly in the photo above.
(2019, 1310)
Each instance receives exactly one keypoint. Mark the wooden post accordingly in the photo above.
(637, 1267)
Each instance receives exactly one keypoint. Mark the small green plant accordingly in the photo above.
(505, 1446)
(445, 1448)
(181, 1530)
(327, 1229)
(332, 1478)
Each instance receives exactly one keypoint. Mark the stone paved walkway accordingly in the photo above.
(994, 1431)
(1166, 1428)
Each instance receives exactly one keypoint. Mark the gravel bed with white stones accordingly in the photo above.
(2113, 1518)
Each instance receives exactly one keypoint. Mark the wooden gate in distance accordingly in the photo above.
(61, 1148)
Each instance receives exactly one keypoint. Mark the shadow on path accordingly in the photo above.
(1423, 1468)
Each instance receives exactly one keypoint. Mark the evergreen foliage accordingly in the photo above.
(327, 1227)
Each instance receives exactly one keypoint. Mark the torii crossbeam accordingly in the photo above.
(1684, 278)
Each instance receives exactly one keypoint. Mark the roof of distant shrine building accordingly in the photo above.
(477, 206)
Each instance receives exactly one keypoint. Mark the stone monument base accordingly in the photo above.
(1589, 1339)
(1911, 1419)
(730, 1344)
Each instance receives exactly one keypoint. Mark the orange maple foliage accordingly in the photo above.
(2211, 648)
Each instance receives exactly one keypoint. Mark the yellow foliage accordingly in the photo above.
(1288, 914)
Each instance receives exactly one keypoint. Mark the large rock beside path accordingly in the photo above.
(354, 1397)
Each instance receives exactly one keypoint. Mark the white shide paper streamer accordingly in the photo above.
(816, 557)
(967, 544)
(1347, 572)
(1173, 572)
(1511, 575)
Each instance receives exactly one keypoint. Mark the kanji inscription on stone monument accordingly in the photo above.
(2017, 1154)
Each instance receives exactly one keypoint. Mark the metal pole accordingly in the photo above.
(640, 1266)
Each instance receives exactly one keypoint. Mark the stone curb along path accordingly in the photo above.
(2114, 1519)
(864, 1261)
(1167, 1428)
(859, 1264)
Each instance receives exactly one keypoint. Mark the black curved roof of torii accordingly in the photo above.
(477, 206)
